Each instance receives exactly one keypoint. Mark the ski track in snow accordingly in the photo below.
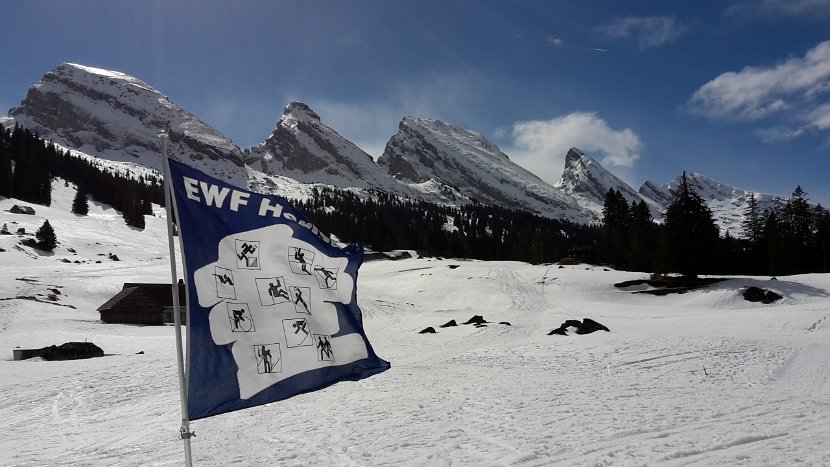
(702, 378)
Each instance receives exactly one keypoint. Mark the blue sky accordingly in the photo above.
(738, 91)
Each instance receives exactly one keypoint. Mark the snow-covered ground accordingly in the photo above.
(702, 378)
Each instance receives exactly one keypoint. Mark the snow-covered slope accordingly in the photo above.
(115, 116)
(702, 378)
(726, 202)
(425, 150)
(588, 181)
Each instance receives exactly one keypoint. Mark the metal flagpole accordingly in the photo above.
(184, 432)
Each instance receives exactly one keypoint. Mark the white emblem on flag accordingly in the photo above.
(291, 328)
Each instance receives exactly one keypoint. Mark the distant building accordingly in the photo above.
(16, 209)
(141, 303)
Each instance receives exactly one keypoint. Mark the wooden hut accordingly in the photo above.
(17, 209)
(142, 303)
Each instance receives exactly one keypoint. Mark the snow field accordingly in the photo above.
(702, 378)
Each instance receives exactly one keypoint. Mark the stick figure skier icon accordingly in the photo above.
(326, 277)
(265, 355)
(297, 333)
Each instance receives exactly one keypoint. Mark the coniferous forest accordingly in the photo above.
(37, 162)
(792, 238)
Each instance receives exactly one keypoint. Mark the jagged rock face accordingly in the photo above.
(115, 116)
(305, 149)
(656, 192)
(586, 179)
(428, 150)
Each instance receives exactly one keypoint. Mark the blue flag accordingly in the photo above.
(272, 303)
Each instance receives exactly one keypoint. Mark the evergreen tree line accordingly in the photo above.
(37, 162)
(790, 239)
(385, 222)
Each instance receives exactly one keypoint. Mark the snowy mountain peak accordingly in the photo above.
(449, 131)
(426, 150)
(112, 115)
(300, 110)
(302, 147)
(588, 181)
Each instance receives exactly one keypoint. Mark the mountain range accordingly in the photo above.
(111, 115)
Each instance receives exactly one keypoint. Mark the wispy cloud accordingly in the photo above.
(649, 32)
(540, 145)
(555, 41)
(778, 9)
(819, 117)
(779, 134)
(795, 90)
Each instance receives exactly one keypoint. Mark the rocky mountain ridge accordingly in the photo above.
(115, 116)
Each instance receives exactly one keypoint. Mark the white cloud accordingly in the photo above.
(790, 90)
(651, 31)
(779, 134)
(557, 42)
(820, 117)
(540, 146)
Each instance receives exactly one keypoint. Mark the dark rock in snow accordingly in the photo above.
(589, 326)
(477, 319)
(71, 351)
(429, 330)
(449, 323)
(505, 323)
(756, 294)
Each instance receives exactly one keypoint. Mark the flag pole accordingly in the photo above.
(184, 433)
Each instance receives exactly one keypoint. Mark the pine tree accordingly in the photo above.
(641, 239)
(616, 221)
(45, 235)
(822, 226)
(691, 236)
(5, 168)
(797, 232)
(752, 227)
(80, 204)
